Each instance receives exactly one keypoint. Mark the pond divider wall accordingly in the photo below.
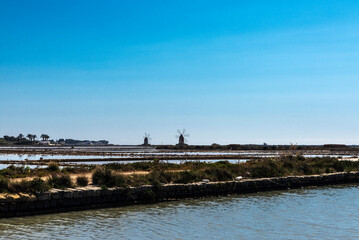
(56, 200)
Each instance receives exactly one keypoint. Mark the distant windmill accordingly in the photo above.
(182, 137)
(146, 139)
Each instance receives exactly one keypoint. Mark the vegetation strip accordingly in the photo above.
(57, 200)
(154, 180)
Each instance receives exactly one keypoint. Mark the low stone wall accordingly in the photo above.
(13, 205)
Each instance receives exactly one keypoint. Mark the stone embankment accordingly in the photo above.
(13, 205)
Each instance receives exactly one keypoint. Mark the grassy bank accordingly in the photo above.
(22, 172)
(223, 170)
(111, 175)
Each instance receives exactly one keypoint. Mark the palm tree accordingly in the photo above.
(29, 136)
(44, 137)
(20, 137)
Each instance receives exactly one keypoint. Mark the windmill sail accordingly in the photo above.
(146, 139)
(182, 137)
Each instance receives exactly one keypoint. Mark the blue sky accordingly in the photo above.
(227, 71)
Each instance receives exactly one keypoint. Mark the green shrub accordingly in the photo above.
(33, 186)
(136, 180)
(22, 186)
(37, 185)
(140, 166)
(60, 180)
(185, 177)
(261, 172)
(101, 176)
(53, 167)
(218, 174)
(104, 176)
(288, 164)
(119, 180)
(4, 184)
(13, 171)
(338, 166)
(160, 176)
(77, 169)
(82, 181)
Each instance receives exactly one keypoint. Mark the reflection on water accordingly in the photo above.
(318, 213)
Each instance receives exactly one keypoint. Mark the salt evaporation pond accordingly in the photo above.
(201, 153)
(164, 161)
(20, 157)
(2, 166)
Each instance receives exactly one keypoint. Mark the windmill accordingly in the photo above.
(146, 139)
(182, 137)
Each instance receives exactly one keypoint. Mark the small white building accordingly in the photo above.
(45, 142)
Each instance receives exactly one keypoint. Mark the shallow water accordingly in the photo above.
(2, 166)
(203, 153)
(317, 213)
(20, 157)
(165, 161)
(31, 157)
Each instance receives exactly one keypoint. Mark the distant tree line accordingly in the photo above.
(81, 142)
(24, 140)
(32, 139)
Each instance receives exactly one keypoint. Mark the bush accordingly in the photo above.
(136, 180)
(38, 185)
(22, 186)
(33, 186)
(218, 174)
(104, 176)
(15, 171)
(185, 177)
(119, 180)
(262, 172)
(82, 181)
(53, 167)
(159, 176)
(60, 180)
(101, 175)
(4, 184)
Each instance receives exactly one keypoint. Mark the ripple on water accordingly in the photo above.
(315, 213)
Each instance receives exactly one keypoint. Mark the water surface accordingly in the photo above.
(317, 213)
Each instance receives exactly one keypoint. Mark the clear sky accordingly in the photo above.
(227, 71)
